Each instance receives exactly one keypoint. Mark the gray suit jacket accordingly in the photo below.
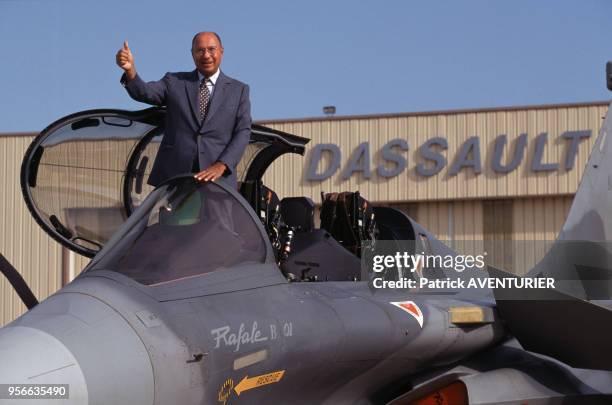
(222, 136)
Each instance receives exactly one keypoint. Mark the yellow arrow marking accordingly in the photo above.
(258, 381)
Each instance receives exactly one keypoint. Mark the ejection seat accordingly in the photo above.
(316, 255)
(349, 218)
(298, 213)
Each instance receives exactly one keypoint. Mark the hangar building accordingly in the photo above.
(479, 175)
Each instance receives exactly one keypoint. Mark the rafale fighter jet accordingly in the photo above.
(201, 294)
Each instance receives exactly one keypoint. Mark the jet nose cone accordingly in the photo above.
(76, 340)
(31, 358)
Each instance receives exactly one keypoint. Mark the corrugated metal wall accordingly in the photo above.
(451, 208)
(515, 233)
(22, 242)
(456, 128)
(535, 223)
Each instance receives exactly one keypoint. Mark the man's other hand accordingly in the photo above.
(212, 173)
(125, 60)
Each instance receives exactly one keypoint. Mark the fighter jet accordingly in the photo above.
(198, 293)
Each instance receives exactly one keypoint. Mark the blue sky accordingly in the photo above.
(363, 57)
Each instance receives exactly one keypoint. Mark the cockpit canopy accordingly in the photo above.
(85, 174)
(184, 229)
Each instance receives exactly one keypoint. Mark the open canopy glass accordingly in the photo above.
(85, 174)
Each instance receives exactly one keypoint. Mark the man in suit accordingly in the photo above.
(208, 114)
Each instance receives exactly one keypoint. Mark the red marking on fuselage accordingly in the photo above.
(412, 308)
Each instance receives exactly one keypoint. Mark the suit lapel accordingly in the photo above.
(192, 88)
(218, 95)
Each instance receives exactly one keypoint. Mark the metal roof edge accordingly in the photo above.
(435, 112)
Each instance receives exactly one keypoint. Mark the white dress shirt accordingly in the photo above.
(210, 81)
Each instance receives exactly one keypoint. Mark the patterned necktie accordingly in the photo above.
(204, 99)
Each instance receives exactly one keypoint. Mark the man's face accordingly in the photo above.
(207, 54)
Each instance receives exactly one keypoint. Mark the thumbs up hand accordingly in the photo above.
(125, 60)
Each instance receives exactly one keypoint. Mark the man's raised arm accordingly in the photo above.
(125, 60)
(150, 93)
